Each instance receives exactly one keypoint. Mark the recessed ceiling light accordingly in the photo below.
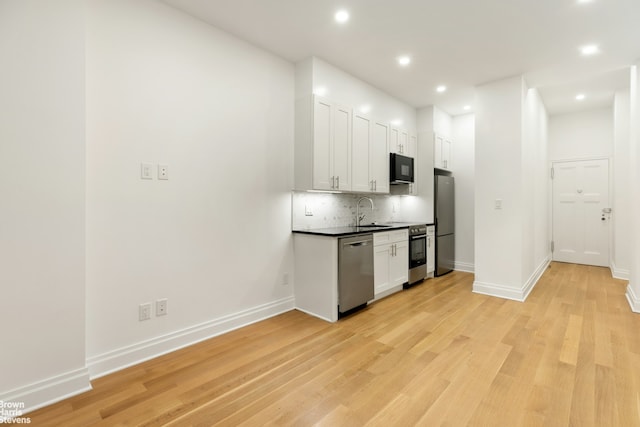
(580, 97)
(441, 88)
(584, 1)
(590, 49)
(396, 122)
(404, 60)
(341, 16)
(467, 107)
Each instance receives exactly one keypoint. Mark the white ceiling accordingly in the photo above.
(458, 43)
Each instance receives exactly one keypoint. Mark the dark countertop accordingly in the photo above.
(352, 230)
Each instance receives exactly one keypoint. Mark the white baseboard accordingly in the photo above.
(467, 267)
(388, 292)
(508, 292)
(619, 273)
(124, 357)
(51, 390)
(634, 301)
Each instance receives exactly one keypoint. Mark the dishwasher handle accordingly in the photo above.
(360, 243)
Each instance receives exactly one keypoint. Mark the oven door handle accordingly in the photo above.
(422, 236)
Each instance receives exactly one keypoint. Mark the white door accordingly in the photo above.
(581, 212)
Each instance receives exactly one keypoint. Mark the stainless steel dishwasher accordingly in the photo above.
(355, 271)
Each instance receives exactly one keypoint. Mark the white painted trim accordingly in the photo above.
(467, 267)
(634, 301)
(619, 273)
(124, 357)
(49, 391)
(386, 293)
(508, 292)
(316, 315)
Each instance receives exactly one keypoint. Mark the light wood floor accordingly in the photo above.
(436, 354)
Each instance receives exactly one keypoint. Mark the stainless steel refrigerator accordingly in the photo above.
(445, 224)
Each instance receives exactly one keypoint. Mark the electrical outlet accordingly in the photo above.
(161, 307)
(146, 171)
(285, 279)
(144, 311)
(163, 172)
(498, 204)
(308, 211)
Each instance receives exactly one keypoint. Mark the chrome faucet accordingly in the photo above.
(359, 217)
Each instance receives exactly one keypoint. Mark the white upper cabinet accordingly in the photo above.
(370, 168)
(323, 145)
(399, 141)
(442, 152)
(413, 152)
(338, 149)
(361, 142)
(341, 154)
(379, 157)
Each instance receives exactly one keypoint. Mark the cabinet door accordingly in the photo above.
(361, 142)
(399, 263)
(412, 147)
(442, 152)
(437, 156)
(394, 140)
(341, 145)
(446, 153)
(379, 157)
(403, 142)
(322, 141)
(413, 152)
(381, 256)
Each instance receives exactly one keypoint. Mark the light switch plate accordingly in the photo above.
(498, 204)
(146, 171)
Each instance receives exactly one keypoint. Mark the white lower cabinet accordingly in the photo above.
(391, 261)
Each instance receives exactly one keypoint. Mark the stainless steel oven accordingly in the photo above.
(417, 253)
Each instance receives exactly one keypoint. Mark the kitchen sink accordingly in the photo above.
(374, 226)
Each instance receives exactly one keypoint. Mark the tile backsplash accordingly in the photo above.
(339, 210)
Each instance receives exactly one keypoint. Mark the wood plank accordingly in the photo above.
(435, 354)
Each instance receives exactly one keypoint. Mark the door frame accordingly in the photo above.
(611, 196)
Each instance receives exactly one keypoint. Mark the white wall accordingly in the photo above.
(42, 188)
(510, 155)
(581, 135)
(621, 248)
(536, 185)
(214, 239)
(463, 150)
(633, 289)
(498, 237)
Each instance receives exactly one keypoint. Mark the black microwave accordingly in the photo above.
(401, 169)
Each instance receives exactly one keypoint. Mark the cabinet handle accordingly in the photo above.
(375, 185)
(333, 182)
(338, 187)
(445, 163)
